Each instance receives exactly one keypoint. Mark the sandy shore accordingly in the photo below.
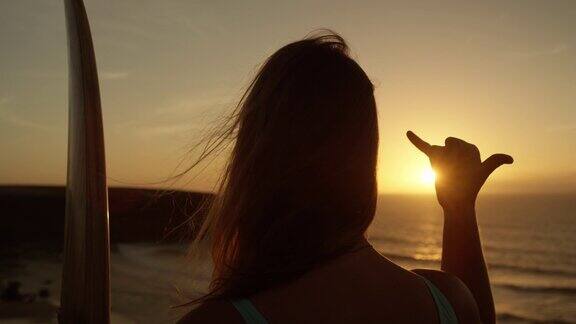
(146, 280)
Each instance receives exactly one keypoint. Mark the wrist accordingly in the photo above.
(460, 209)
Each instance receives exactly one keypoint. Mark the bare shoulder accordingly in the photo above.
(213, 312)
(456, 292)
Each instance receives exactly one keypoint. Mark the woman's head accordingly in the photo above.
(300, 185)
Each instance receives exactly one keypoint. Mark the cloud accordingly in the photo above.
(103, 75)
(562, 128)
(182, 118)
(9, 116)
(43, 74)
(157, 129)
(112, 75)
(200, 105)
(554, 182)
(204, 107)
(550, 51)
(170, 129)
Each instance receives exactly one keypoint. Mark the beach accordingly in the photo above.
(529, 243)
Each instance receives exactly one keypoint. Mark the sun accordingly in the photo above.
(428, 176)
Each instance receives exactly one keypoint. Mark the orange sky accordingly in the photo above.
(501, 74)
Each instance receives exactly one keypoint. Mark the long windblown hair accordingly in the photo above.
(300, 185)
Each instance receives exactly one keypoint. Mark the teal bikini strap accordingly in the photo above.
(446, 313)
(250, 314)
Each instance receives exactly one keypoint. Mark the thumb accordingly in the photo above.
(493, 162)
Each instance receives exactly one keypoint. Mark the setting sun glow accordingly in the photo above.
(428, 176)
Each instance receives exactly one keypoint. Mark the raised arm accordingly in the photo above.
(460, 175)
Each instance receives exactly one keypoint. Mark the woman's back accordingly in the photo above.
(357, 287)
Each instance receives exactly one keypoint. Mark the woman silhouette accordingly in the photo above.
(287, 228)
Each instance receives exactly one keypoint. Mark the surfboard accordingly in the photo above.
(85, 296)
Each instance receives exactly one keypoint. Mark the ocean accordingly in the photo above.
(529, 243)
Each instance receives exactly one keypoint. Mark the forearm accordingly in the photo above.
(462, 256)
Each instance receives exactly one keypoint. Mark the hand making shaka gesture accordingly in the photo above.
(459, 169)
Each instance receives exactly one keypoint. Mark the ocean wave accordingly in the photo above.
(411, 241)
(491, 265)
(395, 239)
(402, 257)
(528, 250)
(534, 270)
(509, 317)
(540, 289)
